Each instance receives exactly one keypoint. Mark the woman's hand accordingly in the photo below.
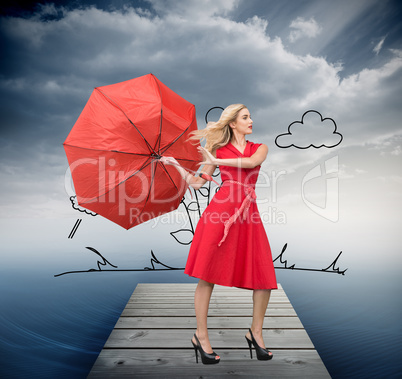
(207, 156)
(169, 161)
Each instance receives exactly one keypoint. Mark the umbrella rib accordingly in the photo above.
(117, 106)
(158, 141)
(111, 131)
(168, 146)
(188, 160)
(150, 187)
(149, 192)
(146, 164)
(108, 151)
(171, 179)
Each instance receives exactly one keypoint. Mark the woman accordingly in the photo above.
(230, 246)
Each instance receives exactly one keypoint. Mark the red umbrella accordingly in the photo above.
(114, 150)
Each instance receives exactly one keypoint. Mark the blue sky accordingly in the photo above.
(281, 58)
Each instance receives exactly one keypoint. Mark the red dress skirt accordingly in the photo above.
(230, 246)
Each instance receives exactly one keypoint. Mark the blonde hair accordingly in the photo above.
(219, 133)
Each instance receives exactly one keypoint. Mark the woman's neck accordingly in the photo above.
(239, 140)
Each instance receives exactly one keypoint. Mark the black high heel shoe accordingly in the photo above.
(207, 359)
(262, 354)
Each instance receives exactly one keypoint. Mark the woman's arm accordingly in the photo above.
(247, 162)
(194, 181)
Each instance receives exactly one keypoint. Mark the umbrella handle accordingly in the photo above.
(207, 177)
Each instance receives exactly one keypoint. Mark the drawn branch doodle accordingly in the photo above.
(285, 262)
(106, 262)
(166, 267)
(333, 266)
(156, 260)
(293, 266)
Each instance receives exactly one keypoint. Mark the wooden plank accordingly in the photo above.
(179, 300)
(180, 338)
(184, 292)
(190, 297)
(214, 298)
(183, 286)
(161, 363)
(211, 305)
(190, 292)
(188, 310)
(213, 323)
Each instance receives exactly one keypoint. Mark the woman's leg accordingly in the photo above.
(260, 303)
(202, 297)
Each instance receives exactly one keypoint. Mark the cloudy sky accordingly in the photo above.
(281, 58)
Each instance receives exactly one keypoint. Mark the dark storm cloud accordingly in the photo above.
(210, 55)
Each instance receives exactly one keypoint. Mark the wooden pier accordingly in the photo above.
(152, 337)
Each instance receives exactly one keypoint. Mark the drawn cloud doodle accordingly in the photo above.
(312, 131)
(211, 109)
(77, 207)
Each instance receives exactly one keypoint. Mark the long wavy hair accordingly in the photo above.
(219, 133)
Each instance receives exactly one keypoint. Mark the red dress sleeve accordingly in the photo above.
(218, 153)
(254, 147)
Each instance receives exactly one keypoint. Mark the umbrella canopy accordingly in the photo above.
(114, 149)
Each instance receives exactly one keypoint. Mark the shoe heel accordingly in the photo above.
(262, 354)
(206, 358)
(196, 351)
(249, 346)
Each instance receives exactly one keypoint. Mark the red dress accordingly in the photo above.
(230, 246)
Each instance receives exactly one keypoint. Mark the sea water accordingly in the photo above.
(55, 327)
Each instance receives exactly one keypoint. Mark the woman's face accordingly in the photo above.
(243, 123)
